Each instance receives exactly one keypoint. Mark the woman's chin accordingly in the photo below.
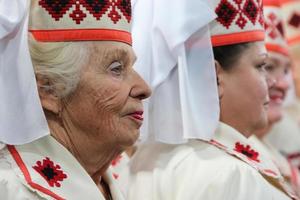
(130, 139)
(274, 115)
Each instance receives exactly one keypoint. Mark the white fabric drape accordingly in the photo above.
(21, 116)
(172, 43)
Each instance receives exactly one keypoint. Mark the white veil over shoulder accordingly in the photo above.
(21, 116)
(174, 51)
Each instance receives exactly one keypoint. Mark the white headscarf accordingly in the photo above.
(172, 43)
(21, 116)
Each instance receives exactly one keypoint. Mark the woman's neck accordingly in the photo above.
(244, 130)
(94, 157)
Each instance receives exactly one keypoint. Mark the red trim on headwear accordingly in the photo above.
(26, 174)
(277, 48)
(287, 1)
(65, 35)
(275, 3)
(294, 40)
(235, 38)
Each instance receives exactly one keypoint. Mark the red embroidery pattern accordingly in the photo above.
(229, 13)
(50, 172)
(261, 15)
(269, 171)
(214, 142)
(97, 8)
(295, 20)
(116, 160)
(247, 151)
(116, 176)
(274, 26)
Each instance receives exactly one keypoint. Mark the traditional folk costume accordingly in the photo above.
(33, 165)
(276, 43)
(226, 166)
(285, 135)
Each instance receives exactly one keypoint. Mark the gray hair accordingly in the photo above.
(59, 63)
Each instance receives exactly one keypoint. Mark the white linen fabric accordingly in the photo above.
(215, 170)
(20, 180)
(174, 52)
(21, 116)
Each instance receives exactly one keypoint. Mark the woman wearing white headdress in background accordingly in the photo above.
(91, 98)
(278, 66)
(180, 165)
(285, 135)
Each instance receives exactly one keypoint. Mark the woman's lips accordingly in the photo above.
(138, 115)
(276, 99)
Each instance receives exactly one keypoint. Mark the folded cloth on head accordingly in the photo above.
(21, 116)
(175, 57)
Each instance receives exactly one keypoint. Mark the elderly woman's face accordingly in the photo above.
(278, 67)
(107, 104)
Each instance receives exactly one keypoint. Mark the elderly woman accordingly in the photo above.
(92, 100)
(228, 166)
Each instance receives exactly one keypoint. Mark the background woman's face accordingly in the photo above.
(244, 99)
(278, 68)
(107, 105)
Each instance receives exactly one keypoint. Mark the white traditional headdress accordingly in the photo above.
(21, 116)
(238, 21)
(172, 43)
(275, 31)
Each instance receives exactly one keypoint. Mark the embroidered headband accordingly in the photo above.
(275, 33)
(80, 20)
(238, 21)
(291, 14)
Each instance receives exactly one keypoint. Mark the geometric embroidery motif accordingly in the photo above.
(50, 172)
(116, 161)
(274, 26)
(97, 8)
(295, 20)
(240, 12)
(247, 151)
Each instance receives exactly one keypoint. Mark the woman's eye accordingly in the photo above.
(262, 66)
(116, 68)
(269, 68)
(286, 70)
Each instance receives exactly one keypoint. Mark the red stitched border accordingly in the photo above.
(270, 172)
(288, 1)
(26, 174)
(294, 40)
(271, 3)
(277, 49)
(235, 38)
(64, 35)
(293, 155)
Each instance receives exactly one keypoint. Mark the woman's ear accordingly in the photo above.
(220, 78)
(49, 100)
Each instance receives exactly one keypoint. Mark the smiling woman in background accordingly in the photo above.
(92, 100)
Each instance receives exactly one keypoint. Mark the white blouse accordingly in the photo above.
(225, 168)
(44, 169)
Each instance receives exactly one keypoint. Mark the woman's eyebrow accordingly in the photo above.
(266, 55)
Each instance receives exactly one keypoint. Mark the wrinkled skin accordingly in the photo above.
(98, 120)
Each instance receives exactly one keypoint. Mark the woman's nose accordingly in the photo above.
(282, 83)
(140, 89)
(271, 81)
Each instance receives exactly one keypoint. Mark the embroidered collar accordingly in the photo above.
(47, 168)
(234, 143)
